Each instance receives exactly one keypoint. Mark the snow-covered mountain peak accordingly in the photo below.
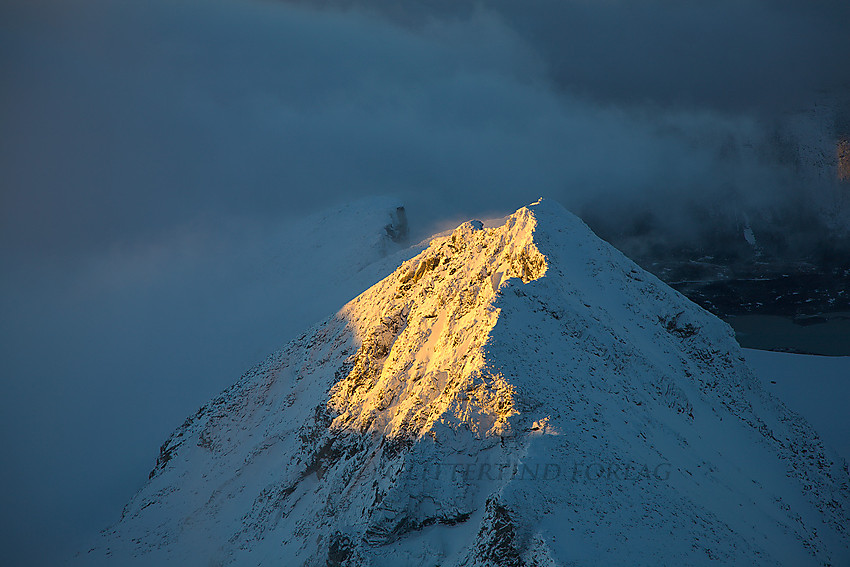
(515, 395)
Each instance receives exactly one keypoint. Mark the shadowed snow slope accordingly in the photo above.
(517, 395)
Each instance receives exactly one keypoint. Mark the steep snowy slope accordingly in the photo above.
(518, 395)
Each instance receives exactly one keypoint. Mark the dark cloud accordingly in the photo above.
(729, 55)
(763, 56)
(137, 119)
(121, 120)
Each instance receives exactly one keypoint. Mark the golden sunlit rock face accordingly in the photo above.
(842, 149)
(422, 333)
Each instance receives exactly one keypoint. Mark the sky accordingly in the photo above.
(174, 180)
